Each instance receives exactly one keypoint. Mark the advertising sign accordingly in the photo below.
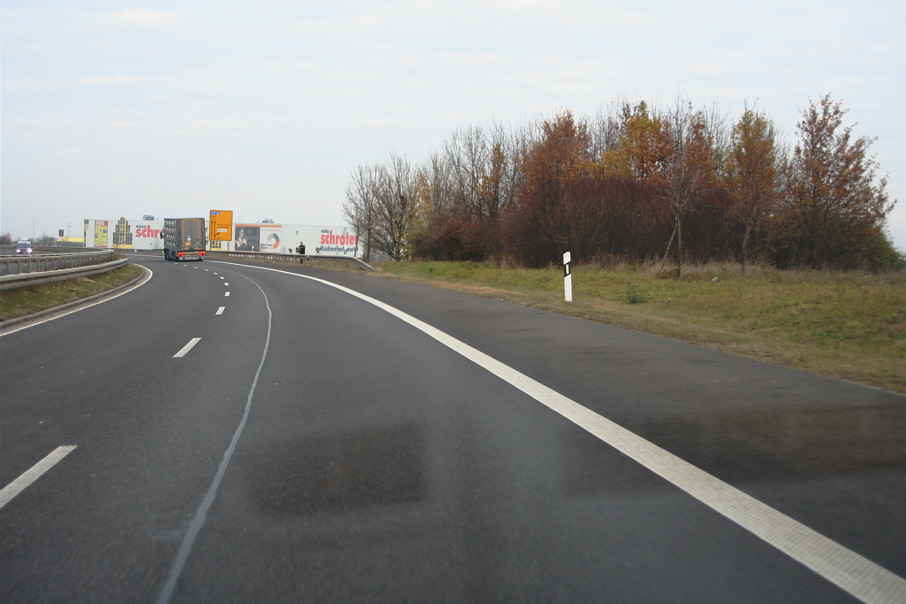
(337, 243)
(270, 238)
(100, 233)
(221, 228)
(319, 240)
(247, 238)
(146, 235)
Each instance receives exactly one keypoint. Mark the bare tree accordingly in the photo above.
(689, 172)
(605, 130)
(360, 207)
(468, 156)
(435, 190)
(395, 207)
(433, 206)
(502, 175)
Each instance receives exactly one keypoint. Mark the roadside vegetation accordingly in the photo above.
(24, 301)
(730, 233)
(681, 184)
(850, 325)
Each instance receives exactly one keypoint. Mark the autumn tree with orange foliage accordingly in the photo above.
(752, 177)
(636, 184)
(545, 218)
(833, 206)
(642, 148)
(632, 165)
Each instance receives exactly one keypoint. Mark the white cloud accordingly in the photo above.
(30, 84)
(152, 18)
(109, 80)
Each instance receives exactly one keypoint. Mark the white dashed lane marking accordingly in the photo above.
(185, 349)
(33, 474)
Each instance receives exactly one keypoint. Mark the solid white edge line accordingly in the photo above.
(841, 566)
(33, 473)
(185, 349)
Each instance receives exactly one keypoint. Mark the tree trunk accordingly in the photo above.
(669, 244)
(745, 248)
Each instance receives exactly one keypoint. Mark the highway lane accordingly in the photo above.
(148, 428)
(824, 444)
(379, 465)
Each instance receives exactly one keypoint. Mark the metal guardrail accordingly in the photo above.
(38, 269)
(63, 274)
(44, 261)
(287, 257)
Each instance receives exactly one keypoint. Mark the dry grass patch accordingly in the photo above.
(847, 325)
(24, 301)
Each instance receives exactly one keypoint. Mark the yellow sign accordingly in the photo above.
(221, 228)
(100, 233)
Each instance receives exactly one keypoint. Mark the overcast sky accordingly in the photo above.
(175, 108)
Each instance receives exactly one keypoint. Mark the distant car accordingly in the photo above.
(23, 247)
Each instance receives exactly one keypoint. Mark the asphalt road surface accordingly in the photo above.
(258, 433)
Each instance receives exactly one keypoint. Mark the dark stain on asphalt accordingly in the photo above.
(339, 473)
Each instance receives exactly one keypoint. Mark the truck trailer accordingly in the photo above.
(184, 239)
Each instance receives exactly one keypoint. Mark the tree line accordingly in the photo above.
(635, 183)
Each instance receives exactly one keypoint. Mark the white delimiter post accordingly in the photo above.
(567, 278)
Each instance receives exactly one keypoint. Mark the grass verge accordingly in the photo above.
(846, 325)
(15, 303)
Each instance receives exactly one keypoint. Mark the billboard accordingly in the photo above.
(246, 238)
(265, 238)
(126, 234)
(100, 233)
(146, 235)
(270, 238)
(341, 242)
(221, 225)
(243, 237)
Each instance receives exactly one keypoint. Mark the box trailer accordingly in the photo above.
(184, 239)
